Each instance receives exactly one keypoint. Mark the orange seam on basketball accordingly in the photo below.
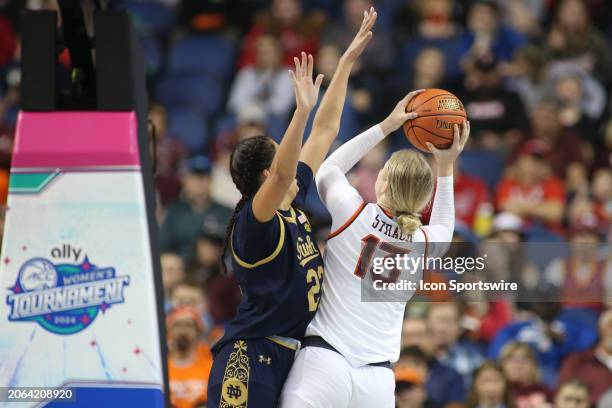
(430, 132)
(423, 146)
(440, 114)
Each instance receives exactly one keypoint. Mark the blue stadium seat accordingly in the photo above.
(190, 128)
(485, 164)
(193, 92)
(151, 17)
(203, 55)
(544, 245)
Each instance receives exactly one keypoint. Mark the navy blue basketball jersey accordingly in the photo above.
(279, 268)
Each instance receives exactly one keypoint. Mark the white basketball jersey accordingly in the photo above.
(364, 331)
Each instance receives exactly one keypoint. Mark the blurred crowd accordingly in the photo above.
(535, 77)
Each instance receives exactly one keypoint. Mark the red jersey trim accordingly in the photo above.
(348, 222)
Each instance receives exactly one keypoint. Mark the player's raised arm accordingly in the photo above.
(326, 124)
(442, 220)
(284, 166)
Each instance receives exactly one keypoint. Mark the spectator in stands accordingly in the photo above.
(207, 252)
(250, 121)
(489, 388)
(207, 16)
(593, 366)
(572, 394)
(529, 191)
(224, 296)
(572, 104)
(552, 335)
(170, 153)
(173, 273)
(561, 149)
(462, 355)
(444, 385)
(584, 278)
(497, 116)
(486, 36)
(189, 359)
(428, 24)
(414, 332)
(186, 218)
(266, 83)
(410, 374)
(507, 228)
(526, 74)
(285, 22)
(10, 80)
(429, 69)
(472, 202)
(522, 16)
(190, 293)
(8, 41)
(482, 320)
(601, 188)
(573, 38)
(520, 366)
(363, 177)
(427, 19)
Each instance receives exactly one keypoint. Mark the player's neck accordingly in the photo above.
(385, 206)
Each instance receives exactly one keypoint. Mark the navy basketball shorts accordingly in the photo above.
(249, 373)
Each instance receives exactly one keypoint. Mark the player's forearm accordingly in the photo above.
(443, 208)
(284, 166)
(444, 169)
(347, 155)
(326, 123)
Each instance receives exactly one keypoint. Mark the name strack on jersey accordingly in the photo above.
(390, 230)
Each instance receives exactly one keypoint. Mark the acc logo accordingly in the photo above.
(63, 298)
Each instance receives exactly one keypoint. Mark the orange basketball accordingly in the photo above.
(438, 111)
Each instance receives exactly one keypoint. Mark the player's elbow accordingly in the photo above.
(325, 173)
(325, 130)
(282, 178)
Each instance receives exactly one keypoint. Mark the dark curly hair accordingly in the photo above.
(248, 160)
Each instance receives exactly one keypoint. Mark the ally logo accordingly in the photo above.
(64, 298)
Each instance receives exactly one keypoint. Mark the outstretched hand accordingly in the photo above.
(306, 91)
(399, 116)
(445, 158)
(363, 36)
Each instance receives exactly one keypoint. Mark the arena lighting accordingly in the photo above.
(81, 314)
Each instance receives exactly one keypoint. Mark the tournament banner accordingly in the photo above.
(78, 311)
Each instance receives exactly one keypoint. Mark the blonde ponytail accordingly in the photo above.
(410, 184)
(408, 223)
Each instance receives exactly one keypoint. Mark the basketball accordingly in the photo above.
(438, 111)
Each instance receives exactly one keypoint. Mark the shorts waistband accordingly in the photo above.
(318, 341)
(288, 342)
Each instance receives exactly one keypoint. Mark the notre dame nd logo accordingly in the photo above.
(234, 393)
(234, 390)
